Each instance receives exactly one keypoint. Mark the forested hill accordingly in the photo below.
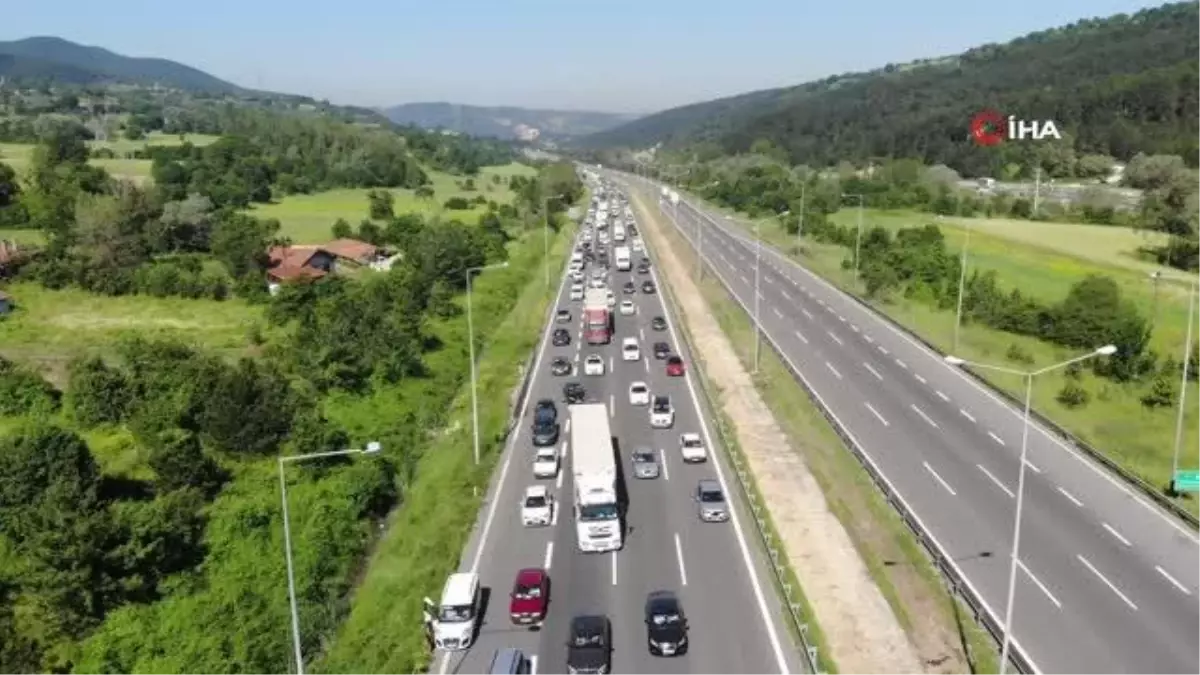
(1117, 86)
(63, 61)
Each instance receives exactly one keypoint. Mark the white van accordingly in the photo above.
(454, 620)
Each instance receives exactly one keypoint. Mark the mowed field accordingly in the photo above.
(1043, 260)
(17, 155)
(308, 219)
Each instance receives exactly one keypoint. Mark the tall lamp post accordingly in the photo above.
(1187, 370)
(372, 448)
(1107, 350)
(546, 235)
(962, 277)
(757, 302)
(471, 347)
(858, 238)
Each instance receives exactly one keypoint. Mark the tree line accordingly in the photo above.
(177, 568)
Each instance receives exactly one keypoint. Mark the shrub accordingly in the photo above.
(1072, 395)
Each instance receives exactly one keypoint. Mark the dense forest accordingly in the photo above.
(175, 568)
(1116, 87)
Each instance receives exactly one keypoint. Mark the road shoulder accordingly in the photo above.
(836, 581)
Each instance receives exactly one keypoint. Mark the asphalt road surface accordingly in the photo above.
(736, 622)
(1107, 582)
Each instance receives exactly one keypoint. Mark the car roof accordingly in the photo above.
(639, 383)
(591, 623)
(595, 357)
(459, 589)
(662, 397)
(630, 341)
(660, 601)
(675, 358)
(536, 491)
(689, 436)
(530, 575)
(708, 485)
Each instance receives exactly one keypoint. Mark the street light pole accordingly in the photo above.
(1106, 350)
(962, 282)
(858, 238)
(800, 225)
(471, 348)
(1155, 277)
(371, 449)
(1187, 357)
(757, 295)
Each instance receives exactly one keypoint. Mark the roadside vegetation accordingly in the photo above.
(1025, 303)
(148, 380)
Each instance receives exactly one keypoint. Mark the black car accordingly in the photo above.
(545, 423)
(643, 269)
(661, 350)
(589, 646)
(629, 288)
(666, 626)
(573, 392)
(658, 323)
(561, 337)
(648, 286)
(560, 366)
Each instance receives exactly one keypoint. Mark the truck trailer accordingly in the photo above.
(593, 463)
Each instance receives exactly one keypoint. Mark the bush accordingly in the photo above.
(23, 391)
(1161, 393)
(457, 204)
(1072, 395)
(1018, 354)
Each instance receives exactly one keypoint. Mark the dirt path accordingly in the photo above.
(859, 626)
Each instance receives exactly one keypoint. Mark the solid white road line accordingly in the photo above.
(563, 451)
(533, 664)
(612, 405)
(876, 414)
(833, 370)
(1113, 532)
(785, 295)
(801, 336)
(868, 338)
(613, 555)
(1039, 584)
(642, 334)
(646, 360)
(854, 328)
(835, 338)
(966, 414)
(939, 479)
(1183, 589)
(559, 480)
(554, 509)
(666, 472)
(549, 555)
(567, 426)
(777, 312)
(807, 313)
(872, 370)
(1032, 466)
(679, 557)
(920, 379)
(995, 480)
(996, 438)
(883, 350)
(923, 415)
(611, 363)
(902, 364)
(1070, 496)
(1108, 583)
(942, 396)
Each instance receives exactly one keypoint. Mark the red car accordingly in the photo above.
(530, 596)
(675, 367)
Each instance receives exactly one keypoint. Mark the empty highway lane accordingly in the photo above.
(1107, 582)
(736, 624)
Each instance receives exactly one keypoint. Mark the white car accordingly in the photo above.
(692, 448)
(612, 299)
(638, 246)
(662, 413)
(577, 291)
(593, 365)
(545, 462)
(537, 508)
(639, 394)
(630, 350)
(628, 308)
(598, 282)
(577, 276)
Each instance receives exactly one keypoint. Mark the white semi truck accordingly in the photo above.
(597, 513)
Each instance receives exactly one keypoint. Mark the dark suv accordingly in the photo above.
(545, 423)
(589, 646)
(573, 392)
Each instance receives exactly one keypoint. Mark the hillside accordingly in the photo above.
(1116, 86)
(505, 122)
(52, 58)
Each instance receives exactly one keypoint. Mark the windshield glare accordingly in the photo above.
(535, 502)
(598, 512)
(527, 592)
(664, 619)
(455, 613)
(711, 497)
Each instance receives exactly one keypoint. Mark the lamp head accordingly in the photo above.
(954, 360)
(1107, 350)
(372, 448)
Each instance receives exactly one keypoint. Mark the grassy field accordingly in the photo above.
(17, 155)
(307, 219)
(935, 621)
(1114, 420)
(49, 328)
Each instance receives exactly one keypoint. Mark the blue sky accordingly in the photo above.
(612, 55)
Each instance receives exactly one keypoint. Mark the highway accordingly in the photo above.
(736, 622)
(1107, 582)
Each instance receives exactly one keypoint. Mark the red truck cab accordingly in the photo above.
(530, 597)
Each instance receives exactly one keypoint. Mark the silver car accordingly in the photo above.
(645, 463)
(710, 502)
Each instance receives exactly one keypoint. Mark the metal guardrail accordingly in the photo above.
(1142, 485)
(778, 558)
(959, 584)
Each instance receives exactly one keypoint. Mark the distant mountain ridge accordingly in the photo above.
(56, 59)
(505, 122)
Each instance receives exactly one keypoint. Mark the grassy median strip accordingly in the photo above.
(946, 635)
(425, 539)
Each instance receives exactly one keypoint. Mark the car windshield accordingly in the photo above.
(535, 502)
(631, 348)
(661, 405)
(638, 389)
(598, 512)
(546, 455)
(523, 592)
(455, 613)
(587, 639)
(711, 496)
(691, 442)
(595, 360)
(643, 457)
